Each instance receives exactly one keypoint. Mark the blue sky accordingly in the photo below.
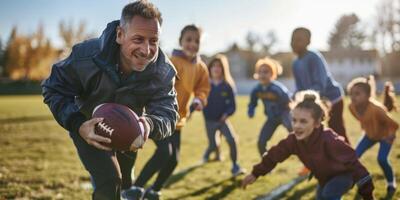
(223, 21)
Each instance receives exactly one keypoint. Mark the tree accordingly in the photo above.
(388, 25)
(347, 34)
(252, 39)
(72, 35)
(1, 58)
(269, 41)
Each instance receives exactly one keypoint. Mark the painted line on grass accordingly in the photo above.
(280, 190)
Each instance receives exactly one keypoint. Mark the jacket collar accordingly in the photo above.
(181, 54)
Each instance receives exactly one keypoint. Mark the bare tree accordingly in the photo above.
(388, 25)
(347, 34)
(269, 41)
(252, 39)
(72, 34)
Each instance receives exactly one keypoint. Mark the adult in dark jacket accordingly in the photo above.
(125, 66)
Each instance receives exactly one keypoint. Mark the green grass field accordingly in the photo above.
(38, 159)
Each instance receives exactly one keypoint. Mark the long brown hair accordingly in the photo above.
(225, 69)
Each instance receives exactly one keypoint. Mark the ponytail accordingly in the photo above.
(389, 98)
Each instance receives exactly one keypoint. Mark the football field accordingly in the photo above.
(39, 161)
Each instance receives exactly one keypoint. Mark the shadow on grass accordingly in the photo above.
(233, 183)
(26, 119)
(301, 192)
(181, 174)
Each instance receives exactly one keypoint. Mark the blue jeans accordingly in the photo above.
(335, 187)
(226, 130)
(269, 128)
(109, 170)
(384, 150)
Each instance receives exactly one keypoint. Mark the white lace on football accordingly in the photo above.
(106, 128)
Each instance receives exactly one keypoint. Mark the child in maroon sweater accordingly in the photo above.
(332, 161)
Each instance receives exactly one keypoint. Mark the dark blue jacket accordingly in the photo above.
(275, 97)
(88, 77)
(221, 100)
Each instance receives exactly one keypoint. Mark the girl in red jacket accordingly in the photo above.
(332, 161)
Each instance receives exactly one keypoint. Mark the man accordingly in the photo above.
(311, 72)
(125, 66)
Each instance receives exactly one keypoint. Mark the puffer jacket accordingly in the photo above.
(89, 77)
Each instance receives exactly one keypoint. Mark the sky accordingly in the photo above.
(223, 21)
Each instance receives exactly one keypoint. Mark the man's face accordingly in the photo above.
(299, 42)
(139, 41)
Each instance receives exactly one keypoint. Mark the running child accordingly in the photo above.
(378, 126)
(275, 97)
(221, 105)
(192, 80)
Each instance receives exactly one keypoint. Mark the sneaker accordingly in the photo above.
(304, 171)
(133, 193)
(150, 194)
(390, 190)
(237, 170)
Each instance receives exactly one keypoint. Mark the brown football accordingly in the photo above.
(120, 124)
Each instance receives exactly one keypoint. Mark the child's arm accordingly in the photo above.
(253, 103)
(318, 74)
(230, 106)
(341, 152)
(387, 121)
(202, 87)
(275, 155)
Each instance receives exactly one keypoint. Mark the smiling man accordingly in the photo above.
(125, 66)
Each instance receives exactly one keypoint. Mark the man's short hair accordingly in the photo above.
(303, 30)
(142, 8)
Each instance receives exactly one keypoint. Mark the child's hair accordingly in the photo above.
(273, 65)
(304, 30)
(310, 100)
(368, 85)
(225, 69)
(389, 99)
(187, 28)
(365, 83)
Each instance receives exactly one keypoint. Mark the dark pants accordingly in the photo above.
(108, 169)
(336, 121)
(164, 160)
(335, 187)
(269, 128)
(213, 138)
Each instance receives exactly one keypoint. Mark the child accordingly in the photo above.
(221, 105)
(275, 97)
(376, 123)
(192, 79)
(311, 73)
(332, 161)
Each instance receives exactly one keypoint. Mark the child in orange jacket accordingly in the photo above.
(377, 124)
(192, 81)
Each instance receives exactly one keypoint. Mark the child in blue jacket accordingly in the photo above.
(221, 105)
(275, 97)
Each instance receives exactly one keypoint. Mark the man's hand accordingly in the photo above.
(249, 179)
(87, 133)
(146, 132)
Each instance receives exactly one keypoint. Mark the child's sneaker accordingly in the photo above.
(133, 193)
(304, 171)
(390, 190)
(237, 170)
(150, 194)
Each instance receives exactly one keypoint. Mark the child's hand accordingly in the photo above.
(197, 105)
(250, 114)
(249, 179)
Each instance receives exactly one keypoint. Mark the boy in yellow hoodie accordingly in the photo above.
(192, 81)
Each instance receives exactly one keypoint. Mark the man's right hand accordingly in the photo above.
(87, 133)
